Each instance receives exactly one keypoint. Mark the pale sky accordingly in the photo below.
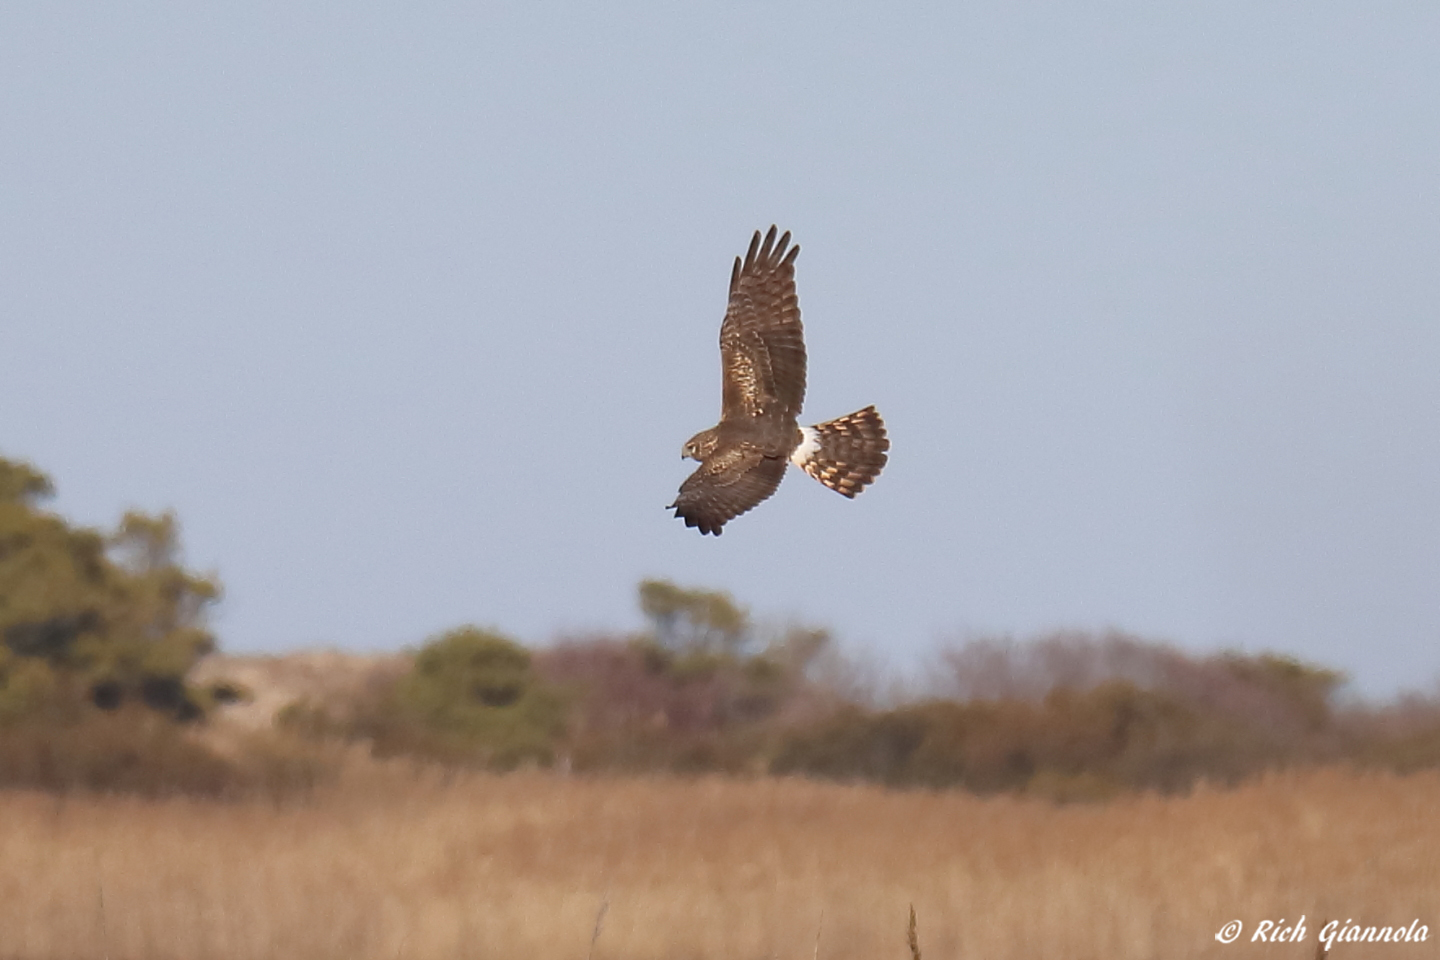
(406, 309)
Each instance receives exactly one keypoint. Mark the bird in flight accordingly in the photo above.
(762, 368)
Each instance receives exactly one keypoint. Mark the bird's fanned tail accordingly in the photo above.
(845, 454)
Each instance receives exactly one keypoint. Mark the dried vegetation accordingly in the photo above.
(396, 861)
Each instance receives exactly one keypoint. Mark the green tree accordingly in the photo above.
(111, 618)
(693, 620)
(472, 695)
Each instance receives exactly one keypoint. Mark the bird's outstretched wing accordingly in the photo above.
(762, 345)
(732, 481)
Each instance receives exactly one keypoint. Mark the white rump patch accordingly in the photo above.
(809, 443)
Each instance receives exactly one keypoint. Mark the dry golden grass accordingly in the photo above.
(394, 863)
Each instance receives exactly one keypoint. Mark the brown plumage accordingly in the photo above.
(762, 367)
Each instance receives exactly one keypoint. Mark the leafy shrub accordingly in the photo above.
(637, 705)
(1070, 745)
(471, 697)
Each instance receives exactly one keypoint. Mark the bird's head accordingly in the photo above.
(699, 446)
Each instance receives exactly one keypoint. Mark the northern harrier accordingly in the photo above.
(762, 361)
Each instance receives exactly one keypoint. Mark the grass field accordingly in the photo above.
(398, 863)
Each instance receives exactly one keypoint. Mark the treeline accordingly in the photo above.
(101, 630)
(1130, 715)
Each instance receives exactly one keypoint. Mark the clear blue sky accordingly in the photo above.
(406, 309)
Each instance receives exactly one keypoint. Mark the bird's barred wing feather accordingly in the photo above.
(762, 344)
(732, 481)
